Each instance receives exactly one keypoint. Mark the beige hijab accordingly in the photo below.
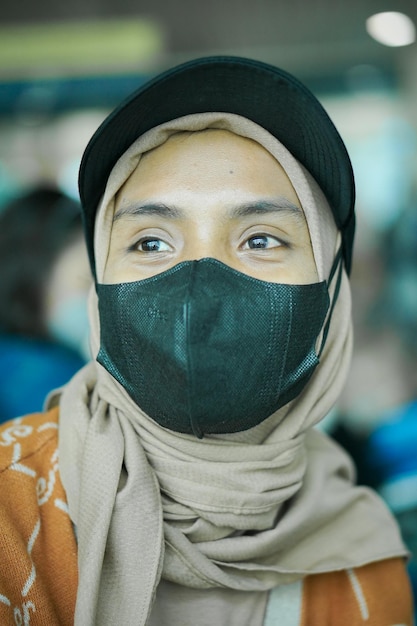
(248, 511)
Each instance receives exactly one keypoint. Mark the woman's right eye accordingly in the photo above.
(152, 245)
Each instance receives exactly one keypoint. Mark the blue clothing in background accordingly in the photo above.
(393, 450)
(29, 370)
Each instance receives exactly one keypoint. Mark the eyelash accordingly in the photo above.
(136, 246)
(279, 243)
(264, 236)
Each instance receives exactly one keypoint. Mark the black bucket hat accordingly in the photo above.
(265, 94)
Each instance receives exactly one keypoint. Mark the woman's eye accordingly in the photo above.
(152, 245)
(262, 242)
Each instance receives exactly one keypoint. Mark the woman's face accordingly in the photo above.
(210, 194)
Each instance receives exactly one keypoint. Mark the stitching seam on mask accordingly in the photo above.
(288, 335)
(187, 320)
(270, 358)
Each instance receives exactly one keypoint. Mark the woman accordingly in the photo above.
(197, 489)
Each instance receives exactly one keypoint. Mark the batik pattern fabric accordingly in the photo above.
(38, 552)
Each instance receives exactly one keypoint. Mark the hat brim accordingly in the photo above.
(267, 95)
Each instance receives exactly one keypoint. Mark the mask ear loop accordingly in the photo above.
(336, 267)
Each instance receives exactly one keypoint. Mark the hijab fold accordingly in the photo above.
(246, 511)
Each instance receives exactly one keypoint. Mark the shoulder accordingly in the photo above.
(29, 474)
(26, 438)
(374, 594)
(37, 543)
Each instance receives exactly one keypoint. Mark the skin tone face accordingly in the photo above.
(210, 194)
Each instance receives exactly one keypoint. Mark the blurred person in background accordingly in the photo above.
(44, 278)
(390, 447)
(193, 486)
(378, 421)
(396, 306)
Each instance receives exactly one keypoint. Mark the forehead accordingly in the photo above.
(208, 160)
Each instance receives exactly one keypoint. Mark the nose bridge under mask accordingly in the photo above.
(203, 348)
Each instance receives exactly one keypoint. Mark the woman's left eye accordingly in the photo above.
(262, 242)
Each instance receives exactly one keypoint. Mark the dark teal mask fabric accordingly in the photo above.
(203, 348)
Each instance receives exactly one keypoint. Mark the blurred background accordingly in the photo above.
(63, 66)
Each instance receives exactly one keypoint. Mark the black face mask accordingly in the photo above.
(203, 348)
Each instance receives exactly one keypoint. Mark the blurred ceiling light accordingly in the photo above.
(391, 28)
(74, 48)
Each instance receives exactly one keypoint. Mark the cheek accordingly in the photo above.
(306, 267)
(114, 269)
(113, 250)
(113, 265)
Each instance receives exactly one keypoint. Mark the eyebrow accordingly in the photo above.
(256, 207)
(152, 208)
(263, 207)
